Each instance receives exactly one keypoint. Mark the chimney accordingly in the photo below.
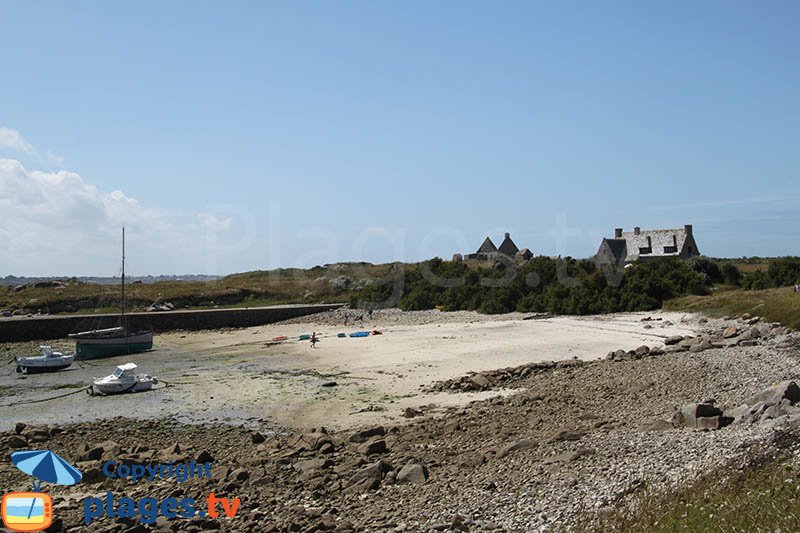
(688, 229)
(508, 235)
(637, 230)
(617, 233)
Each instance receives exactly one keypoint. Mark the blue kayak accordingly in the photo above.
(360, 334)
(341, 335)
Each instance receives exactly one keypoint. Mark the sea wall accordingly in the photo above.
(57, 327)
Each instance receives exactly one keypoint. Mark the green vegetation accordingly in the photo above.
(543, 284)
(319, 284)
(775, 305)
(764, 496)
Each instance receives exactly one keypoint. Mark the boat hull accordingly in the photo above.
(31, 369)
(97, 348)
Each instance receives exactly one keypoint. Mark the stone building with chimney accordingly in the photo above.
(641, 245)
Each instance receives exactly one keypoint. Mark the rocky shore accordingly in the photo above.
(577, 440)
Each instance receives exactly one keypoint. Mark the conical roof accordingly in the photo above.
(487, 247)
(508, 247)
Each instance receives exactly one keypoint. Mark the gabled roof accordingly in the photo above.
(508, 247)
(617, 247)
(661, 243)
(487, 247)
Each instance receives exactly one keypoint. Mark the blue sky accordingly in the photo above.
(244, 135)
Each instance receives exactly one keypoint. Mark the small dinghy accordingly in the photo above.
(124, 379)
(49, 361)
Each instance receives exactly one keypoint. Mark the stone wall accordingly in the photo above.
(58, 327)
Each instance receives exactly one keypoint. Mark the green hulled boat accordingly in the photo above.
(108, 342)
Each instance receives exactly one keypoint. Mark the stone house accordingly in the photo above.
(631, 246)
(488, 251)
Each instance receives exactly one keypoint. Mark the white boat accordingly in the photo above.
(124, 379)
(49, 361)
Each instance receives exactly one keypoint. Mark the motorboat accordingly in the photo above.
(49, 361)
(123, 379)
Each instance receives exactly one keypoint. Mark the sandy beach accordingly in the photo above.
(240, 376)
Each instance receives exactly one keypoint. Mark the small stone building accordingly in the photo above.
(488, 251)
(631, 246)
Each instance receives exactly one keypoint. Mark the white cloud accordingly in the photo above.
(10, 138)
(55, 223)
(56, 159)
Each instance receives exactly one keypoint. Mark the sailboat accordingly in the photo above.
(109, 342)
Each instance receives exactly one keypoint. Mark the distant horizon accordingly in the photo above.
(232, 138)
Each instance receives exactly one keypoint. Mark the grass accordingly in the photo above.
(763, 496)
(237, 290)
(775, 305)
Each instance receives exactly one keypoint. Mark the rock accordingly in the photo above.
(675, 339)
(689, 413)
(656, 350)
(738, 412)
(329, 384)
(34, 435)
(313, 464)
(15, 441)
(566, 434)
(374, 472)
(643, 350)
(240, 474)
(257, 437)
(775, 393)
(479, 381)
(205, 457)
(366, 434)
(712, 422)
(19, 427)
(412, 473)
(522, 444)
(730, 332)
(701, 346)
(747, 316)
(568, 457)
(410, 412)
(373, 446)
(471, 459)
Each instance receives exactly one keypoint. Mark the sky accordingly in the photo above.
(236, 136)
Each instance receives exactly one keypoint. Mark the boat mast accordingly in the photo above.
(123, 277)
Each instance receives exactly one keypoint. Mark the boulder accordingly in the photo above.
(675, 339)
(701, 346)
(35, 435)
(479, 381)
(313, 464)
(522, 444)
(643, 350)
(730, 332)
(566, 434)
(689, 413)
(374, 472)
(15, 441)
(568, 457)
(712, 422)
(774, 394)
(365, 434)
(412, 473)
(376, 445)
(656, 350)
